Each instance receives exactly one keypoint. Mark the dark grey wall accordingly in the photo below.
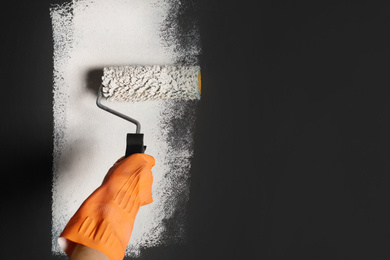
(291, 158)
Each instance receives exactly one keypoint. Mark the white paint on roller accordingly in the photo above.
(139, 83)
(90, 35)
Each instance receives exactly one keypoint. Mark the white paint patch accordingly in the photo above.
(89, 35)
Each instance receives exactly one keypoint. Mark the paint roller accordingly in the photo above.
(147, 83)
(105, 220)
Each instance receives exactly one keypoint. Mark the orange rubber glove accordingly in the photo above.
(105, 220)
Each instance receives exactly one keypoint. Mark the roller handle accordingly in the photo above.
(114, 112)
(134, 144)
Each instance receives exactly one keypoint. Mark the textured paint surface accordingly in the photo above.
(89, 35)
(139, 83)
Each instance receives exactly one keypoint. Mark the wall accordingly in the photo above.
(290, 154)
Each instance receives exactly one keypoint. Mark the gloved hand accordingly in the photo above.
(105, 220)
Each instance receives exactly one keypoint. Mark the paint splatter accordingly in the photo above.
(178, 133)
(180, 31)
(90, 35)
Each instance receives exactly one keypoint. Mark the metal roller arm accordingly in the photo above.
(132, 120)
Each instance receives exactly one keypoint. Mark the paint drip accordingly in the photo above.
(88, 36)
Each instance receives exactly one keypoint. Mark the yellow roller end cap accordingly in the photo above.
(199, 84)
